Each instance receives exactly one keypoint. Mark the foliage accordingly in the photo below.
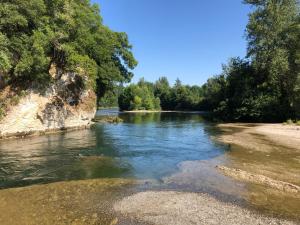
(147, 95)
(266, 86)
(110, 98)
(273, 41)
(69, 34)
(139, 97)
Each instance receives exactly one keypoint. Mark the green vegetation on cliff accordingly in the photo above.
(38, 34)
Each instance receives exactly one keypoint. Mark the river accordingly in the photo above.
(162, 151)
(144, 146)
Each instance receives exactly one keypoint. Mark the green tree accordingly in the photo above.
(139, 96)
(272, 47)
(36, 34)
(162, 90)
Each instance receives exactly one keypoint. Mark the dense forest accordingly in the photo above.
(265, 86)
(38, 34)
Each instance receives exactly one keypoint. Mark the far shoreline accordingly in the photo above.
(161, 111)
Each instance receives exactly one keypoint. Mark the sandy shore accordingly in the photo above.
(246, 135)
(272, 150)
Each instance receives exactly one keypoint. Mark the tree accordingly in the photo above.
(162, 90)
(138, 97)
(265, 86)
(272, 50)
(36, 34)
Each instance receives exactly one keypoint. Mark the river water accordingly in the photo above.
(162, 150)
(144, 146)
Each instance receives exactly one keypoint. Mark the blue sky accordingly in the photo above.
(188, 39)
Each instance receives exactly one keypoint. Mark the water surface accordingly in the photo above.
(144, 146)
(158, 150)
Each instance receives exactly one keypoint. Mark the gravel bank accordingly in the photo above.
(179, 208)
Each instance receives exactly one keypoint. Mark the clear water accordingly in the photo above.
(162, 150)
(144, 146)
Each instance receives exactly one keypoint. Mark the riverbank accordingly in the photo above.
(177, 208)
(32, 133)
(160, 111)
(271, 150)
(253, 135)
(266, 157)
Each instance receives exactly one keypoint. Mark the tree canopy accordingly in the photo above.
(69, 34)
(160, 95)
(139, 96)
(266, 85)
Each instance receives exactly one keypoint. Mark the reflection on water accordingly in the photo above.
(144, 146)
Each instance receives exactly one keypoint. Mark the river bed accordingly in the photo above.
(151, 151)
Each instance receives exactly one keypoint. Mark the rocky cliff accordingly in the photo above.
(65, 104)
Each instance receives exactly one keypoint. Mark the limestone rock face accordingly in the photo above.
(65, 104)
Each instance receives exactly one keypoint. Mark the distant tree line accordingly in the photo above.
(265, 86)
(160, 95)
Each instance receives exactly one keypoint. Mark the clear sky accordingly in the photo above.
(188, 39)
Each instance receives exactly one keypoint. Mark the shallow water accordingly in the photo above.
(161, 150)
(144, 146)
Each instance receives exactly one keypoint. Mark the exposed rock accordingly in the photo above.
(259, 179)
(64, 105)
(55, 72)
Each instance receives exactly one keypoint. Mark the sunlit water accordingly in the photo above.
(160, 150)
(144, 146)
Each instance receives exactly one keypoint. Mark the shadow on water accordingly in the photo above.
(68, 156)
